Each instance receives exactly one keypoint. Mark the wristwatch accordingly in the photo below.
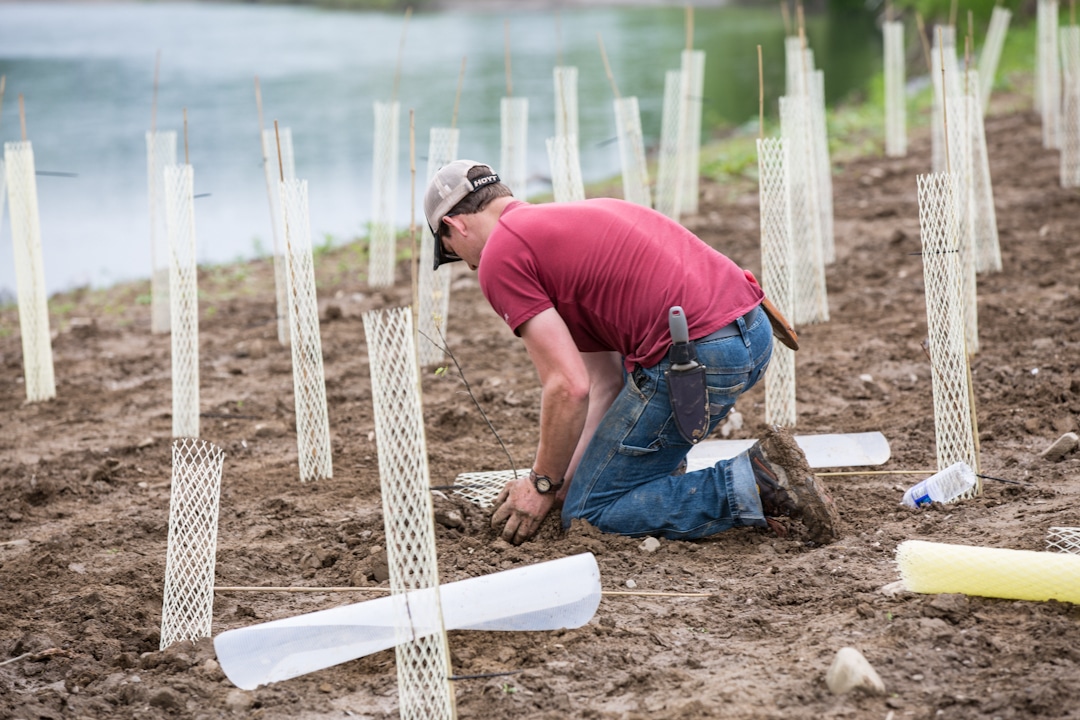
(543, 483)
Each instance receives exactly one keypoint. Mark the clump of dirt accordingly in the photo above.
(84, 495)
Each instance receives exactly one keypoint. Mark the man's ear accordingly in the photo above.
(456, 222)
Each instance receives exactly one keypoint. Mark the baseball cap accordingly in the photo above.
(449, 186)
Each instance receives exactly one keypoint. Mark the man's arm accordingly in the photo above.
(605, 382)
(564, 404)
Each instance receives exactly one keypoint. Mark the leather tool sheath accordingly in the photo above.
(686, 381)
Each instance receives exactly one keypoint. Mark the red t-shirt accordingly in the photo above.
(611, 269)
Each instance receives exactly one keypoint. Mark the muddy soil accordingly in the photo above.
(85, 482)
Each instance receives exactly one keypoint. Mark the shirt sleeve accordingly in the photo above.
(509, 278)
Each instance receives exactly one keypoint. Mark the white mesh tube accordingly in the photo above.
(273, 169)
(183, 298)
(423, 661)
(160, 154)
(566, 101)
(895, 93)
(668, 187)
(188, 605)
(1070, 106)
(433, 287)
(795, 78)
(1049, 75)
(383, 241)
(984, 220)
(29, 271)
(309, 383)
(514, 124)
(635, 171)
(693, 72)
(945, 324)
(944, 91)
(823, 164)
(566, 181)
(777, 276)
(960, 108)
(1063, 539)
(810, 299)
(991, 53)
(927, 567)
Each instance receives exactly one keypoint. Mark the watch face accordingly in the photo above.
(543, 484)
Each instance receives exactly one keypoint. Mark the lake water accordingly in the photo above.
(86, 71)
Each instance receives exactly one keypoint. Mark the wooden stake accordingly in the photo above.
(187, 161)
(280, 162)
(457, 97)
(506, 44)
(414, 268)
(401, 53)
(22, 116)
(923, 41)
(607, 67)
(944, 98)
(785, 14)
(761, 96)
(558, 38)
(952, 14)
(3, 85)
(845, 473)
(801, 18)
(689, 27)
(153, 103)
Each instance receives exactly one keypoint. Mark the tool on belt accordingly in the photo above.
(686, 381)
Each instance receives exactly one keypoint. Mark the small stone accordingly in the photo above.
(326, 688)
(166, 699)
(893, 589)
(238, 700)
(650, 545)
(449, 518)
(850, 670)
(145, 443)
(1061, 447)
(631, 584)
(77, 568)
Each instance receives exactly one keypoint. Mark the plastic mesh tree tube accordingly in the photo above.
(991, 53)
(274, 169)
(822, 163)
(668, 185)
(160, 154)
(423, 662)
(984, 220)
(795, 80)
(188, 605)
(514, 114)
(953, 426)
(811, 303)
(309, 384)
(567, 184)
(1063, 539)
(434, 285)
(777, 273)
(383, 242)
(635, 170)
(928, 567)
(960, 108)
(566, 101)
(29, 271)
(944, 51)
(1048, 75)
(895, 93)
(693, 72)
(1070, 106)
(183, 298)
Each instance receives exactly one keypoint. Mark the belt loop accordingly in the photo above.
(743, 331)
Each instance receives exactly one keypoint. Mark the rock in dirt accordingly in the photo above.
(239, 700)
(166, 699)
(850, 670)
(1061, 447)
(650, 545)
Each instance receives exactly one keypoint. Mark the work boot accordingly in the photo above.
(788, 488)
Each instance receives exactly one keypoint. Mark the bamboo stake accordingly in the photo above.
(689, 27)
(801, 18)
(785, 14)
(506, 45)
(558, 38)
(187, 160)
(457, 97)
(3, 85)
(843, 473)
(22, 116)
(952, 13)
(607, 67)
(401, 53)
(301, 589)
(923, 41)
(153, 103)
(414, 269)
(761, 96)
(944, 98)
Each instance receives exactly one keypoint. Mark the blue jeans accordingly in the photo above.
(624, 482)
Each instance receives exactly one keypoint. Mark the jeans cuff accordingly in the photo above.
(745, 501)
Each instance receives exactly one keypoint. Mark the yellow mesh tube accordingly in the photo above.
(927, 567)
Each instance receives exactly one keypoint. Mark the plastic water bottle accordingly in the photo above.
(945, 486)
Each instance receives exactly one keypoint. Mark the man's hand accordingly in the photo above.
(522, 509)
